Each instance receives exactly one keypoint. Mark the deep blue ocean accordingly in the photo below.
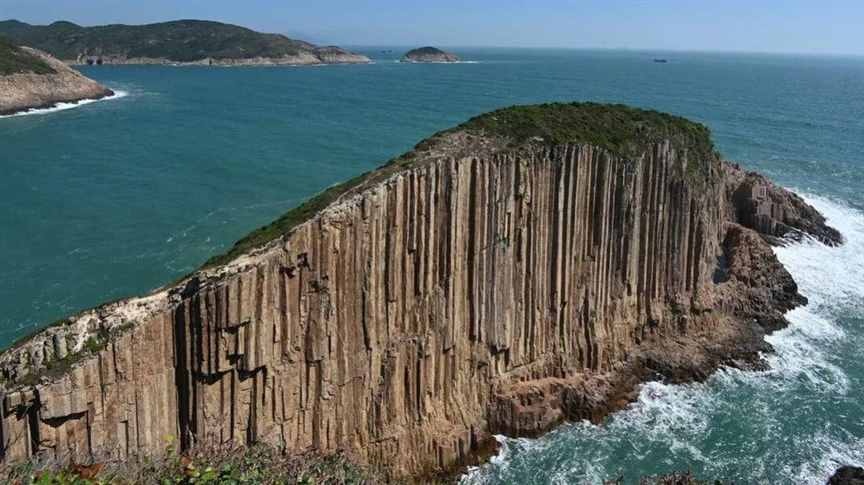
(118, 197)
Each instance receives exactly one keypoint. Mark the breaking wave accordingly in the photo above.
(67, 106)
(795, 423)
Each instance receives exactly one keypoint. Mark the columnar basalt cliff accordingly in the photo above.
(530, 266)
(32, 79)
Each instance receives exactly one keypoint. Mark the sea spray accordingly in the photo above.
(67, 106)
(755, 427)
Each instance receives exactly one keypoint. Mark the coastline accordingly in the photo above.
(27, 91)
(62, 105)
(238, 62)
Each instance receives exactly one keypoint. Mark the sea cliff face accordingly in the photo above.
(22, 91)
(490, 281)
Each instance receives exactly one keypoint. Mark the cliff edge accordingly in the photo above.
(530, 266)
(31, 79)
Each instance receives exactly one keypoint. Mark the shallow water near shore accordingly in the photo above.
(115, 198)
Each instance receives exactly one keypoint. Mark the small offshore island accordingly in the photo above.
(530, 266)
(181, 42)
(30, 79)
(429, 55)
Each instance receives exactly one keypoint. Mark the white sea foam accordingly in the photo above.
(830, 277)
(398, 61)
(832, 455)
(673, 416)
(67, 106)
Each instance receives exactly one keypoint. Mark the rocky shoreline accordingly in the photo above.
(25, 91)
(337, 56)
(531, 266)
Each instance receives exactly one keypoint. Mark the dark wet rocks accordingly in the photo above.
(848, 475)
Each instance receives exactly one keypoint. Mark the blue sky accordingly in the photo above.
(809, 26)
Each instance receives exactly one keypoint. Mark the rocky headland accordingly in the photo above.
(430, 55)
(181, 42)
(31, 79)
(533, 265)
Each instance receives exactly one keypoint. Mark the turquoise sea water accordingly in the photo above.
(118, 197)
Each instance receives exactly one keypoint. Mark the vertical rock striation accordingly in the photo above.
(487, 282)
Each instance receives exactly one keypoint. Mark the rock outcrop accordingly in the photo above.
(530, 266)
(42, 83)
(430, 55)
(848, 475)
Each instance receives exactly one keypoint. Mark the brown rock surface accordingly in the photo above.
(24, 91)
(774, 212)
(480, 287)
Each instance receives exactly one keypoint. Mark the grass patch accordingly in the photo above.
(56, 368)
(621, 129)
(288, 221)
(14, 60)
(258, 464)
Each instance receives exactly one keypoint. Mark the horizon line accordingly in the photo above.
(596, 48)
(486, 46)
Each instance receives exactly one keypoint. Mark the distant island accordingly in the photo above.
(429, 54)
(181, 42)
(30, 79)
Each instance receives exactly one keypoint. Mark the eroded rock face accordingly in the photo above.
(429, 55)
(774, 212)
(24, 91)
(479, 290)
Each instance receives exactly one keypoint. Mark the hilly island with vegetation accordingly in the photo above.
(429, 55)
(175, 42)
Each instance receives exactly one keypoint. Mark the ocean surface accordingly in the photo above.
(118, 197)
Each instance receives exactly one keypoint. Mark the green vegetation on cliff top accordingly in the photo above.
(179, 41)
(622, 130)
(15, 61)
